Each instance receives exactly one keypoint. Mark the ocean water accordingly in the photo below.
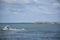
(30, 32)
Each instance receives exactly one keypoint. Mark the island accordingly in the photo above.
(46, 22)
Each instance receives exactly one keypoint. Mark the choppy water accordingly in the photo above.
(31, 32)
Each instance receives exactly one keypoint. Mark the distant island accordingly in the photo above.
(46, 22)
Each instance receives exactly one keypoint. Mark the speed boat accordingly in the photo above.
(8, 27)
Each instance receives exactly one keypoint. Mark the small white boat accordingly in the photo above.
(8, 27)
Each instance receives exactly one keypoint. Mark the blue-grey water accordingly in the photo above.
(31, 32)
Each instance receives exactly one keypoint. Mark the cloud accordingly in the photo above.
(56, 4)
(17, 1)
(42, 8)
(21, 1)
(39, 9)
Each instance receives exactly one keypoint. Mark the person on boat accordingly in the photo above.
(7, 28)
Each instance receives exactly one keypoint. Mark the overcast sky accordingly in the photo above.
(29, 10)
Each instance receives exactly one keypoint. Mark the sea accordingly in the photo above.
(30, 32)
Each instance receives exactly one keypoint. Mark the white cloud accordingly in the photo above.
(35, 0)
(39, 10)
(23, 1)
(17, 1)
(56, 4)
(46, 10)
(33, 8)
(15, 13)
(40, 1)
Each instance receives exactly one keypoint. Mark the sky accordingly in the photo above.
(12, 11)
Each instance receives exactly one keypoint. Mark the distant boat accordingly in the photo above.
(9, 28)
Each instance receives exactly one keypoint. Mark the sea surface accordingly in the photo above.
(30, 32)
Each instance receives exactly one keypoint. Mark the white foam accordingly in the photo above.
(18, 29)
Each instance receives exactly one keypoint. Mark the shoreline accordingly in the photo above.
(36, 23)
